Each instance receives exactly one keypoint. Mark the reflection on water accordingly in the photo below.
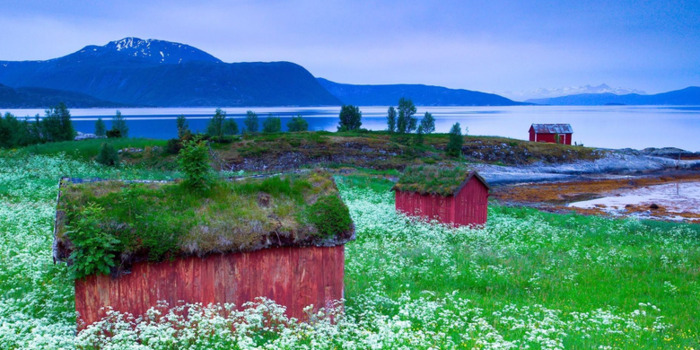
(599, 126)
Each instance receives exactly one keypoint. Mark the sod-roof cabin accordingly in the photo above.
(131, 244)
(450, 194)
(551, 133)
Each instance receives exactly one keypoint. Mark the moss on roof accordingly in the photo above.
(444, 180)
(106, 226)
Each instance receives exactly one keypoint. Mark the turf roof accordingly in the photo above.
(443, 180)
(159, 221)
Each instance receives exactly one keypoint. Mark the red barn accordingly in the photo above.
(451, 195)
(242, 241)
(552, 133)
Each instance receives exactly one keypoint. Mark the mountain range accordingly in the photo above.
(157, 73)
(687, 96)
(136, 72)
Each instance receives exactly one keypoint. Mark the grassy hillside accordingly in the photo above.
(528, 280)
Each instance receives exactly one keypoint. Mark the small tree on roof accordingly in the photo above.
(194, 162)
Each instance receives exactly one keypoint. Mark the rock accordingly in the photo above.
(653, 206)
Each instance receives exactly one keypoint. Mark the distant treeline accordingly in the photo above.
(55, 126)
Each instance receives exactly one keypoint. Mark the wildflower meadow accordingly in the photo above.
(527, 280)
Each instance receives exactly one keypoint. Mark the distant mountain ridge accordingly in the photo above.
(158, 73)
(687, 96)
(32, 97)
(421, 95)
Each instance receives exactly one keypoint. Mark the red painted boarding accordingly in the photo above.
(549, 132)
(292, 276)
(467, 207)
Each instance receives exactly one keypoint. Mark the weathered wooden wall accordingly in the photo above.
(292, 276)
(469, 207)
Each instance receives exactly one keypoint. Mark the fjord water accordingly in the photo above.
(596, 126)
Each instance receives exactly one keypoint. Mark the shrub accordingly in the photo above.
(230, 127)
(173, 146)
(94, 248)
(350, 118)
(272, 124)
(194, 162)
(330, 216)
(108, 155)
(250, 122)
(297, 124)
(114, 133)
(183, 127)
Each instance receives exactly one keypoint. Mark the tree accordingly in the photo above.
(297, 124)
(193, 160)
(419, 135)
(183, 128)
(250, 122)
(391, 119)
(350, 118)
(454, 145)
(428, 123)
(13, 132)
(216, 124)
(100, 128)
(230, 127)
(119, 123)
(405, 122)
(108, 155)
(272, 124)
(57, 125)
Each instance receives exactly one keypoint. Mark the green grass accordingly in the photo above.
(528, 280)
(88, 149)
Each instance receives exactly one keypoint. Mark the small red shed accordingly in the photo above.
(132, 244)
(450, 194)
(552, 133)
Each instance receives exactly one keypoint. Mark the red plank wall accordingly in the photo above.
(551, 138)
(292, 276)
(469, 207)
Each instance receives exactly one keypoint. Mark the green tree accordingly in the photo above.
(119, 123)
(250, 122)
(100, 128)
(230, 127)
(193, 160)
(272, 124)
(183, 128)
(108, 155)
(350, 118)
(391, 119)
(405, 122)
(14, 133)
(454, 145)
(57, 125)
(297, 124)
(428, 123)
(419, 135)
(215, 128)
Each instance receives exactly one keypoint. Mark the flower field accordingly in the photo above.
(529, 280)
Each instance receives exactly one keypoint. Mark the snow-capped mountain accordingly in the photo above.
(571, 90)
(154, 51)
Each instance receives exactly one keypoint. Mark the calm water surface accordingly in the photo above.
(600, 126)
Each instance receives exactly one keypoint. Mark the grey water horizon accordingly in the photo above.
(612, 127)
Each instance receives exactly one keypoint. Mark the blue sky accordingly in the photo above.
(501, 46)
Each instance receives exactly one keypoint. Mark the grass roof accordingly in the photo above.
(106, 226)
(444, 180)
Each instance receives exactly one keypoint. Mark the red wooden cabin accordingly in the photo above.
(295, 264)
(552, 133)
(450, 195)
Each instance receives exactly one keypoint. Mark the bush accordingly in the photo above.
(272, 125)
(94, 248)
(230, 127)
(330, 216)
(173, 146)
(297, 124)
(108, 155)
(194, 162)
(350, 118)
(250, 122)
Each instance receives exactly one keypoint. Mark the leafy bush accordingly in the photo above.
(350, 118)
(94, 249)
(297, 124)
(272, 124)
(194, 162)
(108, 155)
(330, 216)
(173, 146)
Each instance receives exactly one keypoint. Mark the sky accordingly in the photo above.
(519, 49)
